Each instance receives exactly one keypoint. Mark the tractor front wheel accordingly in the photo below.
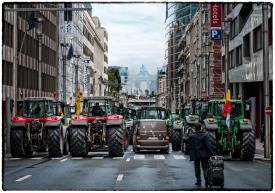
(212, 141)
(17, 142)
(78, 144)
(116, 141)
(55, 142)
(248, 146)
(176, 140)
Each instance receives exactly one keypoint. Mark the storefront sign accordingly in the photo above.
(69, 29)
(216, 15)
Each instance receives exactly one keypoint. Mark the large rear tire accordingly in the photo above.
(78, 144)
(212, 142)
(176, 140)
(116, 141)
(55, 142)
(248, 146)
(17, 143)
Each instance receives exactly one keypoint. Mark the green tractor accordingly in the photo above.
(238, 139)
(191, 118)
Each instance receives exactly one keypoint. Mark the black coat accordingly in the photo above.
(199, 146)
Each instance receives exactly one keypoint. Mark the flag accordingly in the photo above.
(227, 108)
(32, 21)
(70, 52)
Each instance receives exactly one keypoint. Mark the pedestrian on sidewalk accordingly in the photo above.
(200, 153)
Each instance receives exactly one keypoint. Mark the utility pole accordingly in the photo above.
(267, 145)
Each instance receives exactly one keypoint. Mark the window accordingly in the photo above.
(203, 84)
(204, 62)
(7, 69)
(68, 14)
(257, 39)
(246, 45)
(231, 59)
(8, 34)
(239, 56)
(233, 28)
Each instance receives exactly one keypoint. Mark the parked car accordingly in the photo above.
(151, 132)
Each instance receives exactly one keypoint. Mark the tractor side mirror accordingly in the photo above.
(247, 107)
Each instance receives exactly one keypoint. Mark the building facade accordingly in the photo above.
(246, 54)
(20, 59)
(100, 77)
(161, 93)
(87, 69)
(178, 15)
(200, 70)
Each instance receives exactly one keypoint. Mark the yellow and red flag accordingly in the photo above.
(227, 108)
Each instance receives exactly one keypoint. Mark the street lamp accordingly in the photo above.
(64, 46)
(39, 20)
(77, 56)
(226, 49)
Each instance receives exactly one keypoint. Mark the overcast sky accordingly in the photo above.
(136, 33)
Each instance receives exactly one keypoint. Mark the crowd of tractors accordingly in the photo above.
(45, 125)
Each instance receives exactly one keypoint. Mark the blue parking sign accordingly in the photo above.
(216, 34)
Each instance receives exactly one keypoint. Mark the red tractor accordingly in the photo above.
(37, 129)
(97, 127)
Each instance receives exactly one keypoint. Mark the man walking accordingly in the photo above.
(199, 153)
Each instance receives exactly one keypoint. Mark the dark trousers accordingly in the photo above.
(204, 164)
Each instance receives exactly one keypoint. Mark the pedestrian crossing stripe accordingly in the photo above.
(179, 157)
(97, 157)
(159, 157)
(139, 156)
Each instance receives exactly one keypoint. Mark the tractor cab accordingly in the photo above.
(38, 107)
(97, 106)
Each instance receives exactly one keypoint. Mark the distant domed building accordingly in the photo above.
(142, 81)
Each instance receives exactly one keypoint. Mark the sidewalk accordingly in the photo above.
(259, 154)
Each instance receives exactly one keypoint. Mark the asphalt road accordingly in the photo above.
(143, 171)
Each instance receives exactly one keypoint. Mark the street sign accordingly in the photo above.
(216, 34)
(216, 15)
(268, 111)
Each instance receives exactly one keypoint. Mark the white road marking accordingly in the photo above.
(119, 177)
(77, 158)
(54, 158)
(128, 159)
(159, 157)
(118, 157)
(37, 157)
(23, 178)
(179, 157)
(64, 160)
(97, 157)
(139, 156)
(15, 158)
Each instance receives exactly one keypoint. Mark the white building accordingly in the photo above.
(90, 58)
